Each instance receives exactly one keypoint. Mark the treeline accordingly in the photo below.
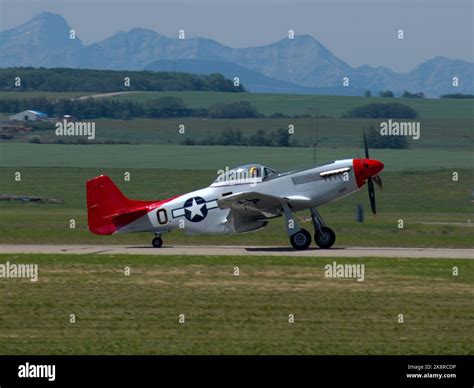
(382, 93)
(167, 107)
(380, 110)
(230, 137)
(162, 107)
(104, 107)
(458, 96)
(85, 80)
(390, 94)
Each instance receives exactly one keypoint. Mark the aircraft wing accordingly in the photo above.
(252, 204)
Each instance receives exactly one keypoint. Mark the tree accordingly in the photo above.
(167, 107)
(259, 139)
(376, 140)
(234, 110)
(379, 110)
(407, 94)
(367, 93)
(35, 139)
(386, 94)
(188, 141)
(282, 138)
(231, 137)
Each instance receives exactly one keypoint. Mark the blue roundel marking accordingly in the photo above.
(195, 209)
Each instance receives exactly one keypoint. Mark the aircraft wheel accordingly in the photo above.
(157, 242)
(301, 240)
(325, 238)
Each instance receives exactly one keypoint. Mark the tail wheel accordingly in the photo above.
(325, 238)
(301, 240)
(157, 242)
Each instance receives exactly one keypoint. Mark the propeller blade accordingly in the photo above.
(378, 181)
(370, 186)
(366, 147)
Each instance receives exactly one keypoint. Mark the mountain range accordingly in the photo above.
(300, 65)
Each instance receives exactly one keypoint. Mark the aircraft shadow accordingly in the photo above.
(148, 247)
(251, 249)
(283, 249)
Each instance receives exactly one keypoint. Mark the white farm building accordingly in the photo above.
(29, 115)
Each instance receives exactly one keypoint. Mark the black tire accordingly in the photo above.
(301, 240)
(325, 238)
(157, 242)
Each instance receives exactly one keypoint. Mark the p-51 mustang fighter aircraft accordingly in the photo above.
(240, 200)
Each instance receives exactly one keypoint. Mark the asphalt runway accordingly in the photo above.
(438, 253)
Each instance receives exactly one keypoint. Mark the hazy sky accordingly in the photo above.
(358, 32)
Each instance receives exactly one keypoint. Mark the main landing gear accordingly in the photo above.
(323, 235)
(300, 238)
(157, 242)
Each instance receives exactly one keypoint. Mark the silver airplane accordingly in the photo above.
(241, 199)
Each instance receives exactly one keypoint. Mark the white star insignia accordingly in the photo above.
(195, 209)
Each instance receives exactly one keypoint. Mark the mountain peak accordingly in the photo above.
(47, 15)
(142, 32)
(307, 38)
(135, 37)
(47, 21)
(44, 40)
(51, 29)
(440, 61)
(304, 39)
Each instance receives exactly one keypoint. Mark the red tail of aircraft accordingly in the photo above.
(108, 209)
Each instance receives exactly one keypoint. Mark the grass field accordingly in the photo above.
(156, 156)
(226, 314)
(429, 196)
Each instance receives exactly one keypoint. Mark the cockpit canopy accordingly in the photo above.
(248, 173)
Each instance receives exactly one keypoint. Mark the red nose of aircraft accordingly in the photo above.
(366, 168)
